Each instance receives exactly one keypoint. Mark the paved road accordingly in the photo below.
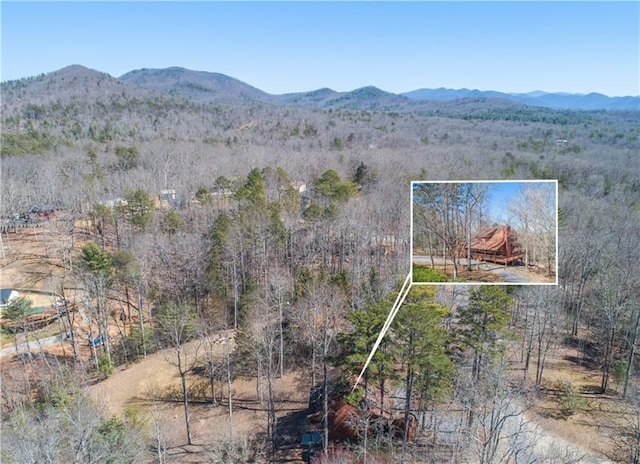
(536, 445)
(508, 274)
(33, 345)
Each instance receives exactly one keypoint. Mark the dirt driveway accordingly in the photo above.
(144, 386)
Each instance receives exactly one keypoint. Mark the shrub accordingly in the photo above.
(105, 366)
(426, 274)
(570, 401)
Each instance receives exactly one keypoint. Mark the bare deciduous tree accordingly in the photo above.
(177, 325)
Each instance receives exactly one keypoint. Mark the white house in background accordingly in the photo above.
(168, 195)
(6, 295)
(300, 186)
(114, 202)
(166, 199)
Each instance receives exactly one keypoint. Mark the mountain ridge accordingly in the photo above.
(217, 87)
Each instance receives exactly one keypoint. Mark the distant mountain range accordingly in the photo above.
(570, 101)
(215, 86)
(77, 82)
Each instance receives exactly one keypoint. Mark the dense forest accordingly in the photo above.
(250, 238)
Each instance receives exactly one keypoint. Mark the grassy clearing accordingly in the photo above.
(426, 274)
(7, 337)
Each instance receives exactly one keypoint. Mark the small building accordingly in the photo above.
(45, 211)
(220, 198)
(300, 186)
(168, 195)
(114, 203)
(6, 295)
(166, 199)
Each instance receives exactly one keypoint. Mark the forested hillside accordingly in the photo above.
(247, 237)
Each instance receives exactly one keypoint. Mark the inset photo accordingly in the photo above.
(490, 232)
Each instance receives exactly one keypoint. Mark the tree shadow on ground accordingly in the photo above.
(587, 352)
(289, 433)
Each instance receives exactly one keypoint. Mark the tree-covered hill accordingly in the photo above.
(72, 84)
(197, 85)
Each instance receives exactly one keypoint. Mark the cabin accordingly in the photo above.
(497, 245)
(45, 211)
(348, 423)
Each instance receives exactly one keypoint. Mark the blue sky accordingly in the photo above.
(284, 47)
(499, 196)
(502, 194)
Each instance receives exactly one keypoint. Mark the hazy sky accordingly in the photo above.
(284, 47)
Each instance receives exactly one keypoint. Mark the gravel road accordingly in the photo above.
(33, 345)
(509, 274)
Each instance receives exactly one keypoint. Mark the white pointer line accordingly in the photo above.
(404, 291)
